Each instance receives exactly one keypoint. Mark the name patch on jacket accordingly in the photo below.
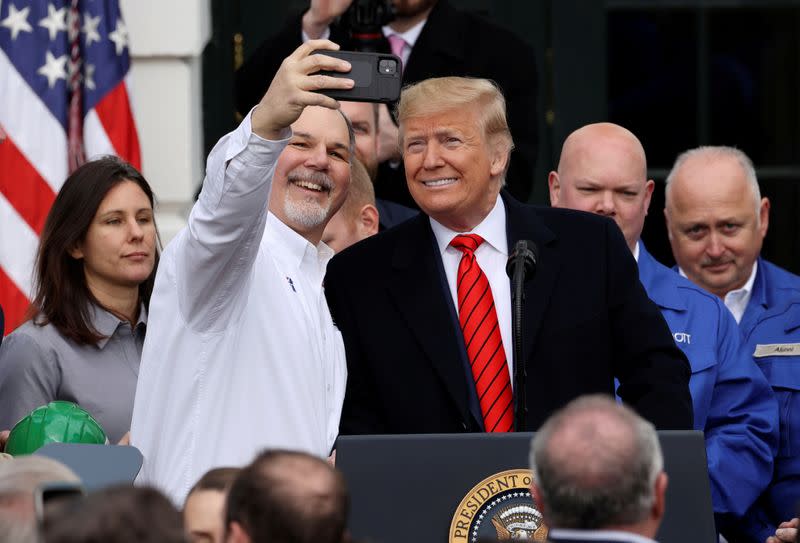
(777, 349)
(682, 337)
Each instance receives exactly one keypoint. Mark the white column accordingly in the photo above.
(166, 41)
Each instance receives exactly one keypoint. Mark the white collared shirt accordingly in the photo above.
(492, 257)
(736, 300)
(241, 352)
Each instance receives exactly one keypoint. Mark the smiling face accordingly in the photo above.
(603, 170)
(312, 173)
(716, 227)
(118, 250)
(454, 173)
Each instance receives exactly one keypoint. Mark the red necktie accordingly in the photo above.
(478, 318)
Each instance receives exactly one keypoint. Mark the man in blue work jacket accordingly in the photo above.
(603, 170)
(717, 220)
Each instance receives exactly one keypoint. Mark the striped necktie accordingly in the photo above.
(478, 318)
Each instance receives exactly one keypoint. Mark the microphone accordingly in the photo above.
(521, 267)
(526, 254)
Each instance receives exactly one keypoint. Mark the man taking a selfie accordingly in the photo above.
(241, 352)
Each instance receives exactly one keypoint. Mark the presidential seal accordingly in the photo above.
(499, 507)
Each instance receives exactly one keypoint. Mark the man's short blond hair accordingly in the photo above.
(360, 192)
(441, 94)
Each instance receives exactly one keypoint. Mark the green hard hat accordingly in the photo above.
(56, 422)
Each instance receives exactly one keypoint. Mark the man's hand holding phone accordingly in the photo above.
(377, 76)
(297, 84)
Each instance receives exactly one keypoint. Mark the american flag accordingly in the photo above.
(64, 95)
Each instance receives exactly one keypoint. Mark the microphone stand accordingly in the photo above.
(520, 372)
(521, 267)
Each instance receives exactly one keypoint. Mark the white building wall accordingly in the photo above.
(166, 44)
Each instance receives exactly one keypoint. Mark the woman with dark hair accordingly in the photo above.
(95, 269)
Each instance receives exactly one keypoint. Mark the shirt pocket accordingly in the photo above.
(783, 374)
(703, 364)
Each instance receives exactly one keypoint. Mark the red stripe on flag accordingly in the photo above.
(23, 187)
(114, 112)
(14, 303)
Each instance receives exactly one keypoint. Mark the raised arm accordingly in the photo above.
(212, 258)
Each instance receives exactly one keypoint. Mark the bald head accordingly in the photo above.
(301, 477)
(287, 496)
(725, 167)
(587, 142)
(603, 170)
(591, 466)
(716, 217)
(597, 465)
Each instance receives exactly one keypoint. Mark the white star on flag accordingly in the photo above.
(119, 36)
(90, 25)
(53, 69)
(17, 21)
(55, 22)
(88, 76)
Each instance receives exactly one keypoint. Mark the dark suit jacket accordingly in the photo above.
(452, 42)
(391, 214)
(586, 316)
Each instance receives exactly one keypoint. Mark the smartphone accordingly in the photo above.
(378, 76)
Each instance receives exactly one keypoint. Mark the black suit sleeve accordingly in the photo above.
(652, 371)
(361, 412)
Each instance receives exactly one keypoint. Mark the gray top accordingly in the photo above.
(39, 365)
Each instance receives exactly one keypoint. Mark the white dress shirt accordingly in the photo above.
(241, 353)
(492, 256)
(736, 300)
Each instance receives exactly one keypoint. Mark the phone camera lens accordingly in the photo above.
(387, 66)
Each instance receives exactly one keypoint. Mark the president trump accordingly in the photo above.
(425, 308)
